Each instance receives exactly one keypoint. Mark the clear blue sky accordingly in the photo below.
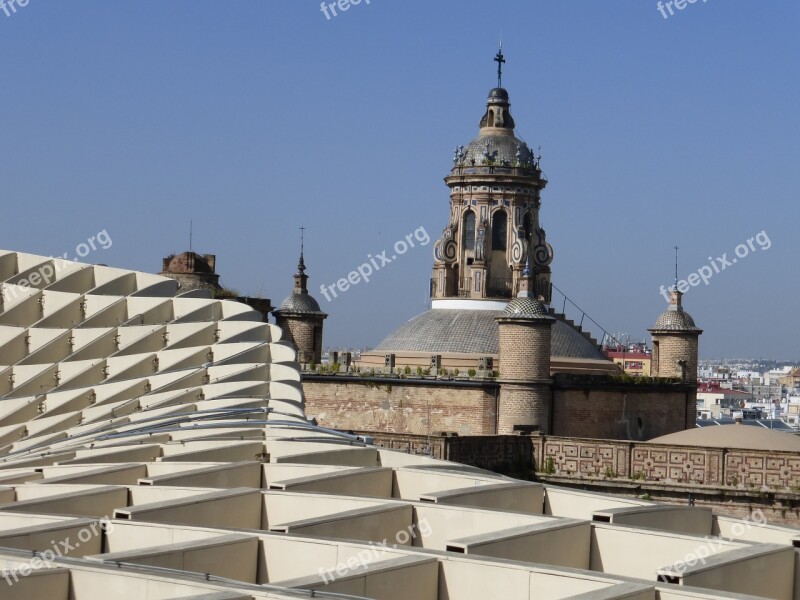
(254, 117)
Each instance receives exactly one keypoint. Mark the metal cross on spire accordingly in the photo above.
(500, 60)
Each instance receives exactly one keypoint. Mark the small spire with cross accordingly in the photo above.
(300, 278)
(500, 60)
(676, 267)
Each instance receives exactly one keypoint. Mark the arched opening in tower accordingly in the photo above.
(469, 231)
(500, 272)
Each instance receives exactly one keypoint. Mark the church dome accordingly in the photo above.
(445, 331)
(496, 144)
(490, 148)
(498, 95)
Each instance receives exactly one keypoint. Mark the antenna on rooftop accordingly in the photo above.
(676, 267)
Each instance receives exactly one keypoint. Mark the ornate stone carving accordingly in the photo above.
(542, 252)
(446, 250)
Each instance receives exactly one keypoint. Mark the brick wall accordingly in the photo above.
(589, 407)
(401, 406)
(619, 414)
(525, 404)
(194, 281)
(524, 349)
(671, 349)
(306, 335)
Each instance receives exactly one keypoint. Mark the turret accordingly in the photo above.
(301, 318)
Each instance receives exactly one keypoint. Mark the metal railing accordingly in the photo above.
(500, 287)
(565, 301)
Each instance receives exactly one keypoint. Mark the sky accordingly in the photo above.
(252, 118)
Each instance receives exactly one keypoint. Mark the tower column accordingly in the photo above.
(526, 396)
(675, 342)
(495, 195)
(301, 319)
(676, 348)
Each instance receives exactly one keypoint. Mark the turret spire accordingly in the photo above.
(301, 266)
(300, 278)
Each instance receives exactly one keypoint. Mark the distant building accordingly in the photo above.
(192, 271)
(718, 401)
(493, 355)
(636, 364)
(792, 379)
(776, 375)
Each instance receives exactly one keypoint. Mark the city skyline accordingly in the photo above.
(655, 133)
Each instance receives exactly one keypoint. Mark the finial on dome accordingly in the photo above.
(500, 60)
(301, 266)
(676, 267)
(300, 278)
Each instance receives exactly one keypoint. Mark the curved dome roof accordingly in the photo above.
(300, 303)
(528, 308)
(733, 436)
(476, 332)
(496, 143)
(497, 149)
(675, 319)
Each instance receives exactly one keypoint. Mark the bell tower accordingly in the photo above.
(494, 229)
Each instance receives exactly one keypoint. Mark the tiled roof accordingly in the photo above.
(675, 319)
(300, 303)
(528, 308)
